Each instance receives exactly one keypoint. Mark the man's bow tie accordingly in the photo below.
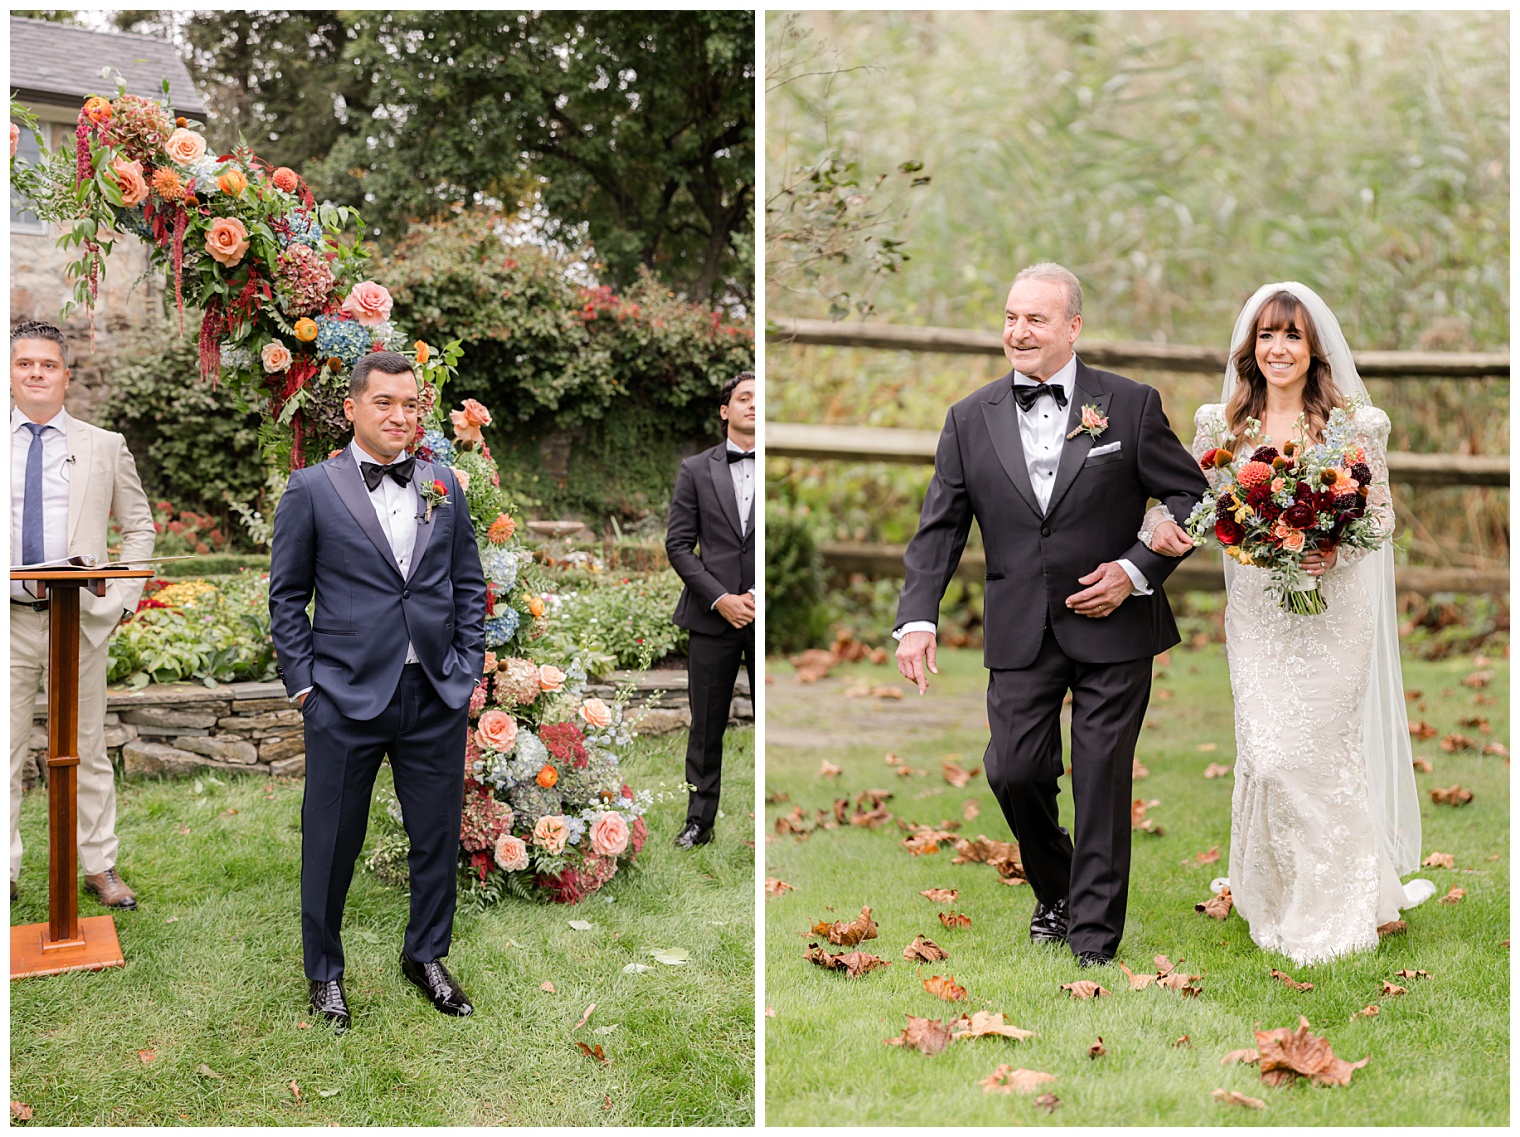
(1028, 396)
(401, 471)
(739, 455)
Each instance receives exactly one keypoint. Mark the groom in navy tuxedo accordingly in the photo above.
(384, 667)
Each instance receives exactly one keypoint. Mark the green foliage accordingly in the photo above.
(617, 625)
(220, 635)
(794, 583)
(190, 445)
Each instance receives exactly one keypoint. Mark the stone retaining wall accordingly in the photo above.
(176, 729)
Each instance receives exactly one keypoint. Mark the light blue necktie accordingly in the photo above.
(32, 551)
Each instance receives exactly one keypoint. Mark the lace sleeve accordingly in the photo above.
(1208, 429)
(1154, 516)
(1372, 428)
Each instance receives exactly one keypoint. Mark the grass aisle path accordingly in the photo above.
(214, 979)
(1439, 1054)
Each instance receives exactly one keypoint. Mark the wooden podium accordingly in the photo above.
(65, 942)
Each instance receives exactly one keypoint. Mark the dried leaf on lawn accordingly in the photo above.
(812, 665)
(1165, 966)
(885, 692)
(945, 987)
(984, 1024)
(841, 810)
(872, 799)
(774, 886)
(1392, 928)
(1478, 679)
(147, 1056)
(1096, 1050)
(592, 1052)
(1215, 770)
(971, 811)
(21, 1111)
(295, 1091)
(1423, 766)
(1287, 1054)
(893, 760)
(1496, 748)
(1233, 1097)
(1048, 1102)
(1422, 729)
(777, 799)
(927, 1036)
(1007, 1080)
(869, 819)
(852, 963)
(206, 1071)
(1209, 857)
(1451, 795)
(955, 919)
(1392, 989)
(1178, 981)
(848, 935)
(1454, 896)
(1289, 982)
(1408, 974)
(1137, 818)
(1249, 1057)
(827, 769)
(1185, 1040)
(1136, 982)
(1476, 722)
(584, 1017)
(1440, 861)
(795, 822)
(955, 774)
(1366, 1012)
(1084, 989)
(925, 839)
(1454, 742)
(1003, 856)
(1217, 906)
(924, 951)
(546, 986)
(941, 895)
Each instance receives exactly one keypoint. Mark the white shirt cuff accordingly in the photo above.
(915, 626)
(1136, 577)
(296, 698)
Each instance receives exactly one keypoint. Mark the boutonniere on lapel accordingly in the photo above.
(1093, 422)
(433, 493)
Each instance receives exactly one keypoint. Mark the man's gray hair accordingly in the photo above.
(40, 330)
(1057, 274)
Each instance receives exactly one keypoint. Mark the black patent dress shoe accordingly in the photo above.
(434, 981)
(1094, 959)
(692, 836)
(1048, 925)
(328, 1002)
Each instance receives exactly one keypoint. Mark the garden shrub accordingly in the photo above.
(625, 624)
(795, 617)
(195, 629)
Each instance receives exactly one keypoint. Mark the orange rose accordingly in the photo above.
(550, 678)
(275, 356)
(423, 352)
(475, 414)
(547, 777)
(463, 431)
(596, 713)
(232, 182)
(496, 731)
(535, 606)
(1292, 539)
(185, 146)
(129, 179)
(550, 833)
(226, 240)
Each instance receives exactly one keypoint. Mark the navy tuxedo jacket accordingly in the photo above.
(1034, 556)
(703, 513)
(328, 541)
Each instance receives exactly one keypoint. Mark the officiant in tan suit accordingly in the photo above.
(67, 479)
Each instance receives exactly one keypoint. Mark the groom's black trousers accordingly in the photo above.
(1023, 762)
(425, 740)
(711, 671)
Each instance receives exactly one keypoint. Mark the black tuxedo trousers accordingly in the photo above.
(1023, 763)
(425, 739)
(711, 672)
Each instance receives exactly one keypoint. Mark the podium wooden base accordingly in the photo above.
(95, 950)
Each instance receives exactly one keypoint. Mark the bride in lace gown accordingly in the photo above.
(1324, 818)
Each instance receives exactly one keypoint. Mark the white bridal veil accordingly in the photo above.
(1390, 771)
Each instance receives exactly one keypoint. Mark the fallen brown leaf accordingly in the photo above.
(795, 822)
(827, 769)
(893, 760)
(1478, 679)
(927, 1036)
(21, 1111)
(1287, 1054)
(1408, 974)
(1137, 818)
(1185, 1040)
(1392, 928)
(584, 1017)
(925, 839)
(147, 1056)
(925, 951)
(774, 886)
(1177, 981)
(770, 1012)
(592, 1052)
(777, 799)
(1215, 770)
(1084, 989)
(848, 935)
(1423, 766)
(983, 1024)
(1454, 742)
(1138, 771)
(1007, 1080)
(885, 692)
(873, 798)
(1454, 896)
(841, 809)
(1165, 966)
(1422, 729)
(852, 963)
(1048, 1102)
(1496, 748)
(971, 811)
(945, 987)
(1289, 982)
(1217, 906)
(546, 986)
(295, 1091)
(941, 895)
(1476, 722)
(1366, 1012)
(206, 1071)
(1096, 1050)
(955, 919)
(1451, 795)
(1136, 982)
(1003, 856)
(1440, 861)
(1233, 1097)
(1249, 1057)
(1209, 857)
(869, 819)
(1411, 694)
(955, 774)
(1391, 990)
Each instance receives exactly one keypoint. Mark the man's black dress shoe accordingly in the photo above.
(1094, 959)
(434, 981)
(692, 836)
(328, 1001)
(1048, 925)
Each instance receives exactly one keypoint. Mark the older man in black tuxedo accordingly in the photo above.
(1056, 462)
(711, 544)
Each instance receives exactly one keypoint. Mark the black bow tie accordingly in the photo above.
(739, 455)
(1028, 396)
(401, 471)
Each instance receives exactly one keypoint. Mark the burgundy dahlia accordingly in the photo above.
(1361, 473)
(1264, 454)
(1299, 516)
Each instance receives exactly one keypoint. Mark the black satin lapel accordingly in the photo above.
(723, 483)
(421, 474)
(1074, 451)
(1003, 424)
(344, 474)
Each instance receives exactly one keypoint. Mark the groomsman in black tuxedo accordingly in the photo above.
(1055, 461)
(711, 544)
(384, 666)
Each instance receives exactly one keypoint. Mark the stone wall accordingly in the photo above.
(177, 729)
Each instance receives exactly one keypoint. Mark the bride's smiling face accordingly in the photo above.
(1282, 353)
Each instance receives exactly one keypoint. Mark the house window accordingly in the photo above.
(23, 220)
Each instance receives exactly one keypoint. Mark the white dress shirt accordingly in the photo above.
(1042, 430)
(55, 490)
(743, 475)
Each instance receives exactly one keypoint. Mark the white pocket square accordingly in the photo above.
(1107, 449)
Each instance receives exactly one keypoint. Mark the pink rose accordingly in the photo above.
(497, 731)
(511, 853)
(276, 356)
(550, 834)
(369, 303)
(226, 240)
(596, 712)
(129, 179)
(490, 663)
(464, 479)
(550, 678)
(1092, 420)
(475, 414)
(609, 835)
(15, 136)
(185, 146)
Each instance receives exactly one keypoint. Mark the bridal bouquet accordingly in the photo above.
(1271, 509)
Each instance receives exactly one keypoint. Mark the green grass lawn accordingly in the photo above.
(214, 980)
(1438, 1054)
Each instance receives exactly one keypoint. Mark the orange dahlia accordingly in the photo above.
(1254, 474)
(285, 179)
(167, 185)
(501, 530)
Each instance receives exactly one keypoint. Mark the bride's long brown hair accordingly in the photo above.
(1282, 310)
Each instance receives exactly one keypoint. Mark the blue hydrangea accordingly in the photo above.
(347, 339)
(524, 762)
(436, 443)
(576, 828)
(304, 230)
(500, 567)
(501, 627)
